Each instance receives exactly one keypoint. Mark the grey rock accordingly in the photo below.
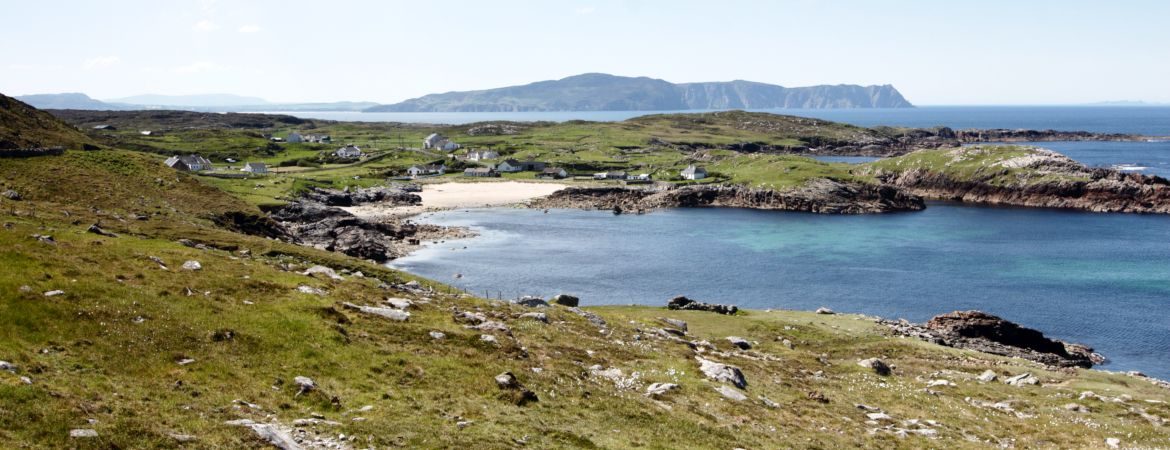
(660, 389)
(12, 195)
(396, 315)
(566, 300)
(192, 265)
(722, 372)
(83, 433)
(54, 293)
(878, 366)
(739, 342)
(489, 339)
(683, 303)
(591, 317)
(1113, 442)
(437, 335)
(399, 303)
(537, 316)
(310, 290)
(730, 393)
(304, 384)
(332, 274)
(275, 436)
(988, 376)
(182, 438)
(95, 229)
(162, 265)
(1023, 379)
(7, 367)
(769, 403)
(678, 324)
(532, 302)
(824, 310)
(879, 417)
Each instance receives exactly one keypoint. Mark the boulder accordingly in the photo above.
(677, 324)
(437, 335)
(95, 229)
(54, 293)
(978, 324)
(660, 389)
(988, 376)
(683, 303)
(730, 393)
(6, 366)
(566, 300)
(722, 372)
(12, 195)
(192, 265)
(507, 381)
(1023, 379)
(396, 315)
(975, 330)
(739, 342)
(399, 303)
(824, 310)
(83, 433)
(878, 366)
(537, 316)
(323, 271)
(304, 384)
(532, 302)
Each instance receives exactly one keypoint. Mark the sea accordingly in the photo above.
(1098, 279)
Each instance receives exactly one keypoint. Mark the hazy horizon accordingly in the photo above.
(966, 53)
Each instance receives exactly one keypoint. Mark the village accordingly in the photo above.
(450, 160)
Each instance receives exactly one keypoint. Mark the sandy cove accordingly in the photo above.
(454, 195)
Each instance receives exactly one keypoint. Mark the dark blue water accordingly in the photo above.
(1100, 279)
(1152, 157)
(1149, 121)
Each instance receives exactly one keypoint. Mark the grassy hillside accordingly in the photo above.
(22, 126)
(998, 165)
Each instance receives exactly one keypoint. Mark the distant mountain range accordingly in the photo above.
(603, 92)
(204, 103)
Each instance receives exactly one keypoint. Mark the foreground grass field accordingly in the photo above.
(149, 357)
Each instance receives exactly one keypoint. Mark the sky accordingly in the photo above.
(935, 52)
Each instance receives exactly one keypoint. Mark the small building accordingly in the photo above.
(599, 176)
(619, 175)
(448, 146)
(294, 138)
(480, 155)
(555, 173)
(348, 152)
(255, 168)
(510, 165)
(638, 177)
(428, 169)
(276, 139)
(191, 163)
(534, 166)
(146, 132)
(693, 172)
(105, 127)
(318, 138)
(481, 172)
(433, 140)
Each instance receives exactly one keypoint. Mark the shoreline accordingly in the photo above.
(450, 195)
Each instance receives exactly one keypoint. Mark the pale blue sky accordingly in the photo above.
(934, 52)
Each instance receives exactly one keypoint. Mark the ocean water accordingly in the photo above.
(1099, 279)
(1144, 120)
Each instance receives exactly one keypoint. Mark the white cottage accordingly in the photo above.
(192, 163)
(510, 165)
(294, 137)
(429, 169)
(255, 168)
(433, 140)
(693, 172)
(349, 152)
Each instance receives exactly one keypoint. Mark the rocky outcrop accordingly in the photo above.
(1006, 135)
(979, 331)
(683, 303)
(1042, 179)
(818, 196)
(334, 229)
(393, 195)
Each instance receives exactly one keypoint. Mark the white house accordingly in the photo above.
(480, 155)
(429, 169)
(255, 168)
(318, 138)
(481, 172)
(433, 140)
(693, 172)
(509, 165)
(555, 173)
(349, 152)
(192, 163)
(448, 146)
(639, 177)
(294, 137)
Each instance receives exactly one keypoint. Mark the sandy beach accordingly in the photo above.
(441, 196)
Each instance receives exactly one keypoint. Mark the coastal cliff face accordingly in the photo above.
(1022, 176)
(817, 196)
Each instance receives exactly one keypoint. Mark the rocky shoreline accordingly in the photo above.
(1053, 181)
(817, 196)
(317, 220)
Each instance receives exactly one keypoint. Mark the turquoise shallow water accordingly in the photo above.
(1100, 279)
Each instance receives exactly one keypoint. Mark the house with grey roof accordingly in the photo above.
(480, 172)
(255, 168)
(349, 152)
(428, 169)
(693, 172)
(188, 163)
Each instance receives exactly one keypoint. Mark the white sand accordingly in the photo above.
(439, 196)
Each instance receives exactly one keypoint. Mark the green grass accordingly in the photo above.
(980, 163)
(107, 349)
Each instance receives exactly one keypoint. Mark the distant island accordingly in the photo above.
(202, 103)
(604, 92)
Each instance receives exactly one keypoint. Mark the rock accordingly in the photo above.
(722, 372)
(1076, 407)
(275, 436)
(683, 303)
(532, 302)
(324, 271)
(44, 238)
(399, 303)
(6, 366)
(24, 289)
(1022, 380)
(678, 324)
(878, 366)
(54, 293)
(182, 438)
(769, 403)
(466, 317)
(463, 424)
(12, 195)
(660, 389)
(304, 384)
(1113, 442)
(507, 381)
(436, 335)
(824, 310)
(491, 325)
(162, 265)
(537, 316)
(83, 433)
(984, 332)
(988, 376)
(879, 416)
(739, 342)
(310, 290)
(865, 407)
(787, 343)
(396, 315)
(95, 229)
(489, 339)
(591, 317)
(185, 361)
(940, 383)
(730, 393)
(192, 265)
(566, 300)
